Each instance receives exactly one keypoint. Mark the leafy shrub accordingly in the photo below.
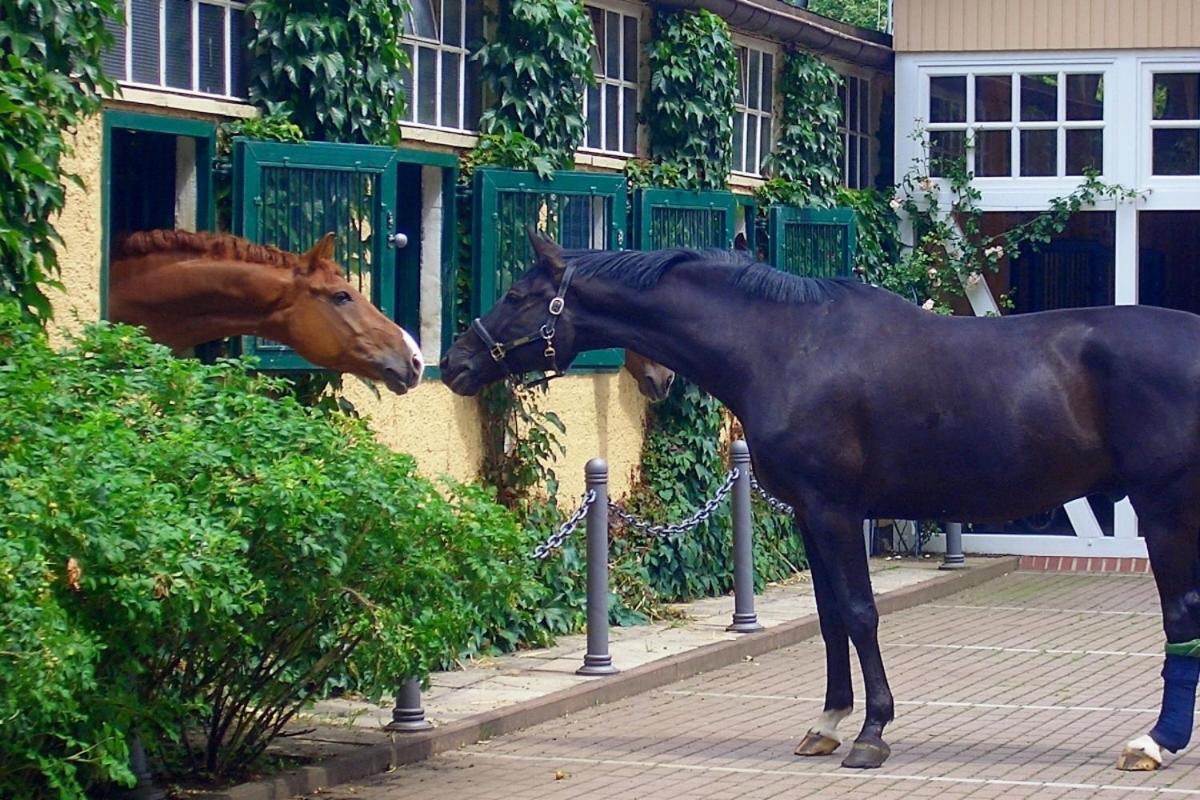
(184, 557)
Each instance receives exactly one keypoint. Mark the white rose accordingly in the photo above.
(895, 203)
(927, 305)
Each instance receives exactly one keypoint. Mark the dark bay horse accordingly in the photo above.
(190, 288)
(859, 404)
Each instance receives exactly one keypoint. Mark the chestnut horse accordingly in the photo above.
(858, 404)
(190, 288)
(653, 379)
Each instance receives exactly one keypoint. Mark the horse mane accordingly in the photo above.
(218, 246)
(643, 269)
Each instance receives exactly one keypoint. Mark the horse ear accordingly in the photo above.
(321, 251)
(546, 249)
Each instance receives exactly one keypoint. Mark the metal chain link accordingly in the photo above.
(567, 528)
(686, 525)
(771, 500)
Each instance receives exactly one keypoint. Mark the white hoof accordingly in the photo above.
(1141, 755)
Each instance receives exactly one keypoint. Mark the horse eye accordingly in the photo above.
(341, 298)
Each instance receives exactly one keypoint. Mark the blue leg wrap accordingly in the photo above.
(1174, 728)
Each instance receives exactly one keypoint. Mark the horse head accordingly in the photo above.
(653, 379)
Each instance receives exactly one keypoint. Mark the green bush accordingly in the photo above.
(188, 556)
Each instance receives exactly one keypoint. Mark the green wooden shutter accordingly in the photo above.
(579, 210)
(290, 195)
(678, 218)
(813, 242)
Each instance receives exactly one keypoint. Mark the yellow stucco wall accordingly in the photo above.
(604, 414)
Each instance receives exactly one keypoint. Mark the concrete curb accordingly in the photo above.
(412, 747)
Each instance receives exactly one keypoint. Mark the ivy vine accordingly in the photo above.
(537, 67)
(334, 67)
(50, 80)
(690, 106)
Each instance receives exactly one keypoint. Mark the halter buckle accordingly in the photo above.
(556, 306)
(497, 351)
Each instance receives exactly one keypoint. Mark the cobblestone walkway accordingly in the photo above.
(1025, 687)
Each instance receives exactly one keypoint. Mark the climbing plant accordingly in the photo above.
(334, 67)
(689, 109)
(537, 67)
(49, 82)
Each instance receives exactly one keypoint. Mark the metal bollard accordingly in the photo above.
(408, 716)
(953, 559)
(146, 788)
(745, 620)
(597, 661)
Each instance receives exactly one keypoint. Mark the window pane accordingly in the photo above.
(612, 45)
(179, 44)
(853, 85)
(144, 21)
(739, 138)
(864, 111)
(752, 84)
(948, 99)
(239, 53)
(631, 49)
(1177, 152)
(764, 141)
(1177, 96)
(406, 77)
(212, 49)
(864, 162)
(593, 116)
(113, 59)
(946, 148)
(629, 144)
(993, 154)
(843, 105)
(993, 98)
(1039, 98)
(1085, 150)
(751, 143)
(451, 67)
(612, 116)
(427, 85)
(597, 16)
(423, 21)
(768, 75)
(741, 76)
(852, 162)
(452, 23)
(1039, 153)
(1085, 97)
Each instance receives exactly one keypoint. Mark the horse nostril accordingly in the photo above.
(418, 363)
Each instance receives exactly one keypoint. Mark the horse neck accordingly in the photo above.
(184, 299)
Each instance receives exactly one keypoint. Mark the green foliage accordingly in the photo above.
(878, 242)
(537, 67)
(870, 14)
(271, 127)
(184, 548)
(50, 80)
(689, 110)
(334, 67)
(805, 166)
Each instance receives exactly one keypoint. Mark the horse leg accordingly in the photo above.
(838, 539)
(1172, 546)
(822, 738)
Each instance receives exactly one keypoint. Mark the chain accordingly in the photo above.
(771, 500)
(567, 528)
(686, 525)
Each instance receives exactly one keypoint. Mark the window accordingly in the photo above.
(752, 116)
(445, 90)
(611, 105)
(855, 126)
(1175, 123)
(1036, 124)
(193, 46)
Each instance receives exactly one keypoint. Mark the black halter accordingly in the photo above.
(500, 350)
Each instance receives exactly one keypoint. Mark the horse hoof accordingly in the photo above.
(1141, 755)
(817, 744)
(867, 754)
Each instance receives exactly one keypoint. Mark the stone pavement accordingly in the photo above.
(1024, 687)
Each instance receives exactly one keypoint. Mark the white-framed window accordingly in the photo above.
(610, 107)
(754, 112)
(443, 91)
(189, 46)
(1175, 123)
(1030, 123)
(855, 127)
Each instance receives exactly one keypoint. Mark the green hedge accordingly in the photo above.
(186, 548)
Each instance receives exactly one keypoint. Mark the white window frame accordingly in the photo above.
(862, 133)
(740, 109)
(227, 6)
(420, 47)
(1149, 68)
(1014, 125)
(622, 149)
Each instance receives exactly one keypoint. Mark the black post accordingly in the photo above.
(597, 660)
(745, 620)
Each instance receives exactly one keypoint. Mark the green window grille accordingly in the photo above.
(579, 210)
(678, 218)
(290, 195)
(813, 242)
